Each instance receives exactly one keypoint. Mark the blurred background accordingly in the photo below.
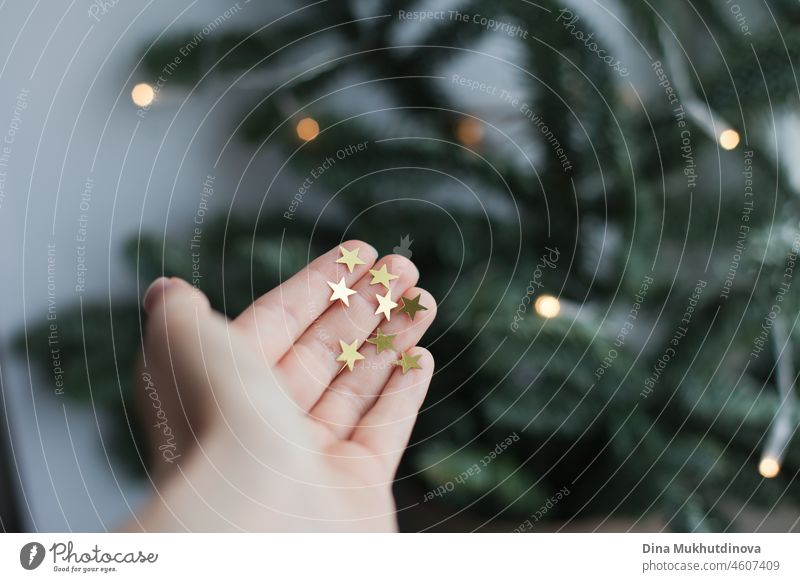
(601, 194)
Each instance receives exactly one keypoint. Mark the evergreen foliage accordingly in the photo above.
(482, 217)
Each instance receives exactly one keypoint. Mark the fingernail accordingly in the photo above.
(156, 287)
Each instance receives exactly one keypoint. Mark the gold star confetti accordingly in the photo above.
(412, 306)
(382, 341)
(340, 291)
(350, 258)
(408, 362)
(385, 305)
(382, 276)
(349, 354)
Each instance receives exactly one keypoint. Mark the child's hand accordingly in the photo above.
(252, 424)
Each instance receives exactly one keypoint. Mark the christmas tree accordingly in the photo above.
(611, 236)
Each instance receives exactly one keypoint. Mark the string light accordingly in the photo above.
(782, 427)
(307, 129)
(769, 467)
(547, 306)
(469, 131)
(729, 139)
(697, 109)
(143, 95)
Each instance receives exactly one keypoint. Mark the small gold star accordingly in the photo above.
(350, 258)
(382, 276)
(349, 354)
(412, 306)
(408, 362)
(385, 305)
(382, 341)
(340, 291)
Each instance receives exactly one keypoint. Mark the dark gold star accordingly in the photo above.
(412, 306)
(408, 362)
(382, 341)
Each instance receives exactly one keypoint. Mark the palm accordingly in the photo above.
(340, 433)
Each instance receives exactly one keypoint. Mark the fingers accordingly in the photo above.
(352, 394)
(310, 365)
(278, 318)
(386, 428)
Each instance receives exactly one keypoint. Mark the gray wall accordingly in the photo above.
(77, 123)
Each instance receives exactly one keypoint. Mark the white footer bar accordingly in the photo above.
(406, 557)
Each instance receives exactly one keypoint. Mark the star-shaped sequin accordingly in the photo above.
(412, 306)
(349, 354)
(382, 276)
(381, 341)
(385, 305)
(350, 258)
(408, 362)
(341, 291)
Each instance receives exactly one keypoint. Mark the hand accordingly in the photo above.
(253, 427)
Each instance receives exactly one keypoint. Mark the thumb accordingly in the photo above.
(175, 396)
(213, 373)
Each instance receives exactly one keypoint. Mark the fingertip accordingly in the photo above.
(417, 379)
(426, 359)
(401, 264)
(366, 252)
(155, 290)
(162, 289)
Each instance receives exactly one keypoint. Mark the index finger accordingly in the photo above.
(279, 317)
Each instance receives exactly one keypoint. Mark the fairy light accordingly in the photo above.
(782, 427)
(697, 109)
(547, 306)
(729, 139)
(143, 95)
(307, 129)
(469, 131)
(769, 467)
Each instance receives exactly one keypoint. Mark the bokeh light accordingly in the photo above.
(307, 129)
(143, 95)
(547, 306)
(469, 132)
(729, 139)
(769, 467)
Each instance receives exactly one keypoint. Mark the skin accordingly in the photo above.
(264, 431)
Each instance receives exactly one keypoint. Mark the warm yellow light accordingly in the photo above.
(769, 467)
(729, 139)
(547, 306)
(307, 129)
(143, 95)
(469, 131)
